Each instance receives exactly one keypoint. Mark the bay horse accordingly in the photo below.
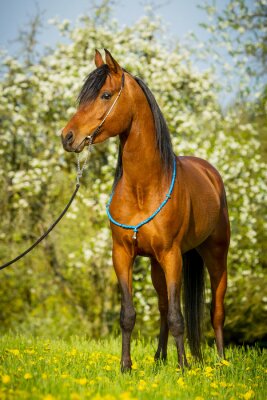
(170, 209)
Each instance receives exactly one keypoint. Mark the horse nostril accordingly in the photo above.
(69, 137)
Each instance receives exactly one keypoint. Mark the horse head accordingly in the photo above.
(102, 97)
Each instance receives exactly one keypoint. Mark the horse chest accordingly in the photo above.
(152, 238)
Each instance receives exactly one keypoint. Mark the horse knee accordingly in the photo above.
(127, 319)
(176, 323)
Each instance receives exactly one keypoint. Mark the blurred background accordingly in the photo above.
(206, 65)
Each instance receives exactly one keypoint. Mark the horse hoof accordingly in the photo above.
(183, 368)
(159, 357)
(126, 370)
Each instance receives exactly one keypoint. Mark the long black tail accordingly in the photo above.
(194, 297)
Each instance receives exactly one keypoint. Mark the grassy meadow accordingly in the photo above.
(50, 369)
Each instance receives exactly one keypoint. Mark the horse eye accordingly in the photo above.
(106, 96)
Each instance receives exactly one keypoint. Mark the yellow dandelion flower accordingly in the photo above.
(28, 376)
(134, 366)
(48, 397)
(181, 382)
(154, 385)
(44, 376)
(115, 358)
(75, 396)
(223, 384)
(15, 352)
(6, 379)
(142, 384)
(125, 396)
(29, 351)
(107, 368)
(73, 352)
(105, 397)
(81, 381)
(214, 385)
(64, 376)
(225, 362)
(199, 398)
(140, 388)
(192, 372)
(249, 395)
(208, 370)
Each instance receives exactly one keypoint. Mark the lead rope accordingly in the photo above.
(80, 171)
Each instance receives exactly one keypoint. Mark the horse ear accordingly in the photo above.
(98, 59)
(111, 62)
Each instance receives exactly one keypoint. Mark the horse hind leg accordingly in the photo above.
(159, 283)
(214, 253)
(172, 266)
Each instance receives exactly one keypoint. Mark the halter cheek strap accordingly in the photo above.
(97, 130)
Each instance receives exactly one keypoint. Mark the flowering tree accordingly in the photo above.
(68, 282)
(241, 30)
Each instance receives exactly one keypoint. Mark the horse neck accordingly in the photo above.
(141, 161)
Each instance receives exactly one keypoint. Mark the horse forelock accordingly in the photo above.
(93, 84)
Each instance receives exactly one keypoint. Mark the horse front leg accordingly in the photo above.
(172, 265)
(123, 265)
(159, 283)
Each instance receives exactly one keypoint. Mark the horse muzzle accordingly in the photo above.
(68, 140)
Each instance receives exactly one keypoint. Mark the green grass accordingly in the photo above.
(37, 368)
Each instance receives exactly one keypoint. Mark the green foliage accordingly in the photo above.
(80, 369)
(67, 285)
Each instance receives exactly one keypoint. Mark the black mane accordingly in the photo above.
(89, 92)
(164, 144)
(92, 85)
(163, 137)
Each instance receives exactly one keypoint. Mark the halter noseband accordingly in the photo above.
(93, 135)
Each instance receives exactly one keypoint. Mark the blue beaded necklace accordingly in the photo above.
(135, 228)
